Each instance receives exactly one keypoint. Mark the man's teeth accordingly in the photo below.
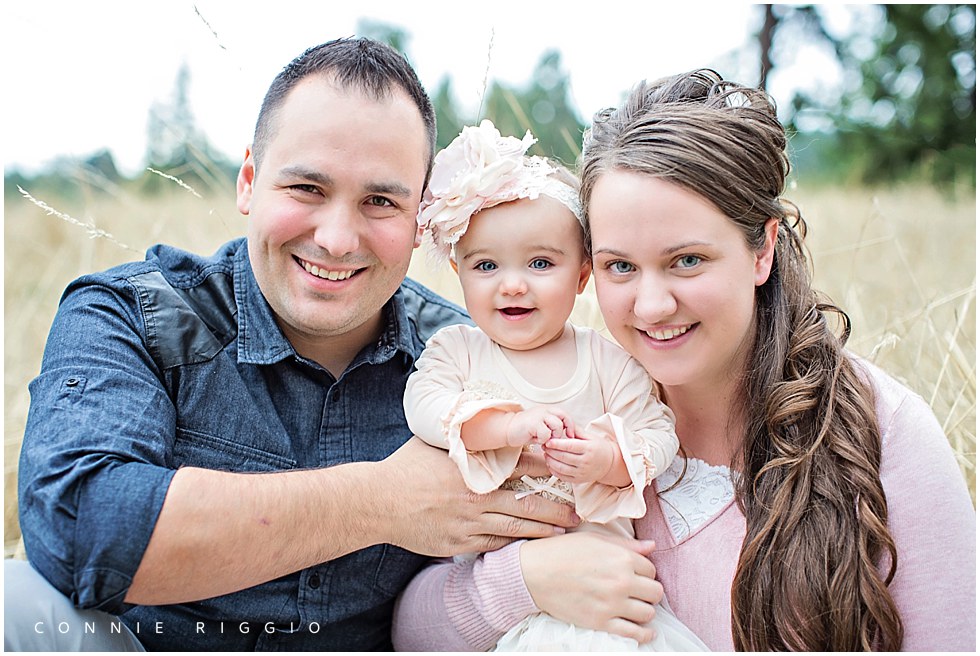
(328, 275)
(662, 335)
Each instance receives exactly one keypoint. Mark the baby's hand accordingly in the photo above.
(538, 425)
(580, 460)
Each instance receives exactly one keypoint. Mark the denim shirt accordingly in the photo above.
(177, 361)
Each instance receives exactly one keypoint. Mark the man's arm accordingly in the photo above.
(107, 519)
(221, 532)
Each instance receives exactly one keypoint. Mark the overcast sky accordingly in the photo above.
(81, 76)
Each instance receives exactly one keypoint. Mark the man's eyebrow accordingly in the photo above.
(389, 188)
(304, 173)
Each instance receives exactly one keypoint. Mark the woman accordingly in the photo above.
(818, 505)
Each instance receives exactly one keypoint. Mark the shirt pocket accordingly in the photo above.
(196, 449)
(396, 569)
(368, 579)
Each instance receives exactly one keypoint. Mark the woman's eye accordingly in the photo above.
(620, 267)
(688, 261)
(485, 266)
(540, 264)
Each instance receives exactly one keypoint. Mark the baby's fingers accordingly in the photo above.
(555, 425)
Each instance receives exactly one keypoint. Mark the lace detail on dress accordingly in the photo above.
(487, 389)
(704, 491)
(549, 487)
(478, 390)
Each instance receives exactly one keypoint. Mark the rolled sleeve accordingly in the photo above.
(93, 470)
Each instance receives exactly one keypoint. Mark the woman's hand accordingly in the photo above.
(594, 581)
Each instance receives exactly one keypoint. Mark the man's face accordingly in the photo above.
(332, 211)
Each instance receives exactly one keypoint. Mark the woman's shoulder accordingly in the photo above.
(913, 441)
(893, 399)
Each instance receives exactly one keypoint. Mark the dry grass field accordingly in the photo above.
(902, 262)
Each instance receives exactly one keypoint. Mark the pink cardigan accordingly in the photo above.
(467, 607)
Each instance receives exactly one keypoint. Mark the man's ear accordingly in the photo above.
(246, 178)
(764, 258)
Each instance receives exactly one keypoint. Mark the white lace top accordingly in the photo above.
(703, 492)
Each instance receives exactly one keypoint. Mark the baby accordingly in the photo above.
(525, 378)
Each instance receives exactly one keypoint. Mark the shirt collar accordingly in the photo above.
(398, 334)
(261, 341)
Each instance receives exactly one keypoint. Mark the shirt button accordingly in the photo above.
(314, 581)
(71, 382)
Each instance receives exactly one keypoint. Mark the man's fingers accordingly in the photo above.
(531, 463)
(533, 508)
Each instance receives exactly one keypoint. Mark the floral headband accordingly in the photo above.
(481, 169)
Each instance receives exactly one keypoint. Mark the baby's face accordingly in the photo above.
(520, 265)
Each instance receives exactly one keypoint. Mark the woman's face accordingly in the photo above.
(674, 277)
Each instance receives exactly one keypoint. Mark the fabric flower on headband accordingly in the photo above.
(478, 170)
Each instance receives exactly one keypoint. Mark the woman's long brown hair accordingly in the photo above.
(817, 559)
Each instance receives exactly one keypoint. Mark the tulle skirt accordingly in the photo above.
(542, 632)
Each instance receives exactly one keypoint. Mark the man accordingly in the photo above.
(214, 446)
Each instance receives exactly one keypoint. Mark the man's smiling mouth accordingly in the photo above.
(326, 274)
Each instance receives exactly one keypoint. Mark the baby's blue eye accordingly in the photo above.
(540, 264)
(485, 266)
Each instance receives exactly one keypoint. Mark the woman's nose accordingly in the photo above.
(655, 300)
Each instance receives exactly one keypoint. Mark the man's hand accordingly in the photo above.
(424, 506)
(595, 582)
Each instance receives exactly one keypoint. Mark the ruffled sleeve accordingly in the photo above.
(643, 428)
(441, 396)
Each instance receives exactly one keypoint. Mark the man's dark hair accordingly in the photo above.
(370, 66)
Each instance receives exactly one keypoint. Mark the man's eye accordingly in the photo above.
(305, 188)
(380, 201)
